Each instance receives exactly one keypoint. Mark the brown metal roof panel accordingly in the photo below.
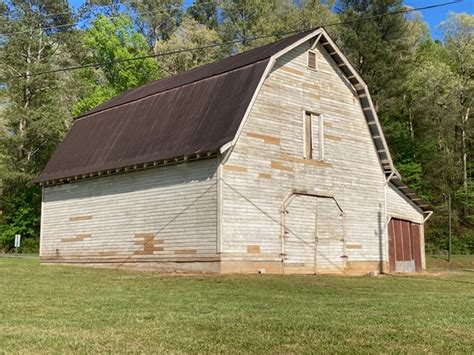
(197, 117)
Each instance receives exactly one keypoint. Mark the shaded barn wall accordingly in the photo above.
(399, 206)
(161, 214)
(267, 163)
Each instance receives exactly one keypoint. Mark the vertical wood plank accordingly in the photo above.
(391, 244)
(416, 246)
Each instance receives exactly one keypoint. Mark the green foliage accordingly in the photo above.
(379, 48)
(205, 13)
(36, 114)
(245, 19)
(157, 19)
(21, 210)
(191, 34)
(412, 174)
(114, 39)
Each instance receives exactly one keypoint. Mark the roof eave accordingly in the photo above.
(129, 168)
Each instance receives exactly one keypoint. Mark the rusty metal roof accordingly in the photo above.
(197, 111)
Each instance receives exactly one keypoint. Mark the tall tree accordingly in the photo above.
(190, 34)
(379, 46)
(157, 19)
(459, 38)
(205, 12)
(244, 20)
(36, 37)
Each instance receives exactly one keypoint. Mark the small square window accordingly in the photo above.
(312, 60)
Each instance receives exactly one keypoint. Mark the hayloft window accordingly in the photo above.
(312, 60)
(313, 140)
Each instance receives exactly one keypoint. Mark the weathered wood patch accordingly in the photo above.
(185, 251)
(292, 71)
(80, 218)
(280, 166)
(265, 138)
(264, 176)
(327, 124)
(310, 86)
(235, 168)
(148, 241)
(253, 249)
(76, 238)
(313, 96)
(353, 246)
(332, 137)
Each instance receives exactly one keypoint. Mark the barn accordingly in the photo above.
(272, 160)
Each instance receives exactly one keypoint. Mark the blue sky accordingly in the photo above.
(432, 16)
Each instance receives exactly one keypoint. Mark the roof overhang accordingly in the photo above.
(135, 167)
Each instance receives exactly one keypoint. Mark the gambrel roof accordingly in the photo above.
(187, 116)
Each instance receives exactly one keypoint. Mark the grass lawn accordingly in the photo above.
(68, 309)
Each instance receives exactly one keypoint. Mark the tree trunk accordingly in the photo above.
(465, 118)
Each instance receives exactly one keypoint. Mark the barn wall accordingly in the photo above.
(267, 164)
(161, 214)
(399, 207)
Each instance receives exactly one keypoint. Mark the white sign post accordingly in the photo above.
(17, 241)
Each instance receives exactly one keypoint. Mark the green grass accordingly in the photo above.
(59, 309)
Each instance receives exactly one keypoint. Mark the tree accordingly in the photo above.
(205, 13)
(114, 39)
(190, 34)
(380, 48)
(459, 38)
(157, 19)
(243, 20)
(36, 37)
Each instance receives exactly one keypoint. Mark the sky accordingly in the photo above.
(432, 16)
(437, 15)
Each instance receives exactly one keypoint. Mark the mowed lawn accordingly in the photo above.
(68, 309)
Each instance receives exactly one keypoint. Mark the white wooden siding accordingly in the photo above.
(269, 155)
(166, 213)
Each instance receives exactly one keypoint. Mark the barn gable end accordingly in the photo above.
(269, 189)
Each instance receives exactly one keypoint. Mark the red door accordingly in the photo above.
(404, 246)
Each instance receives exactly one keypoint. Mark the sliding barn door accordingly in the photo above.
(404, 246)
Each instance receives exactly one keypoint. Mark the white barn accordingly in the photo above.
(272, 161)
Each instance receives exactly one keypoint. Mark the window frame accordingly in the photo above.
(315, 59)
(309, 155)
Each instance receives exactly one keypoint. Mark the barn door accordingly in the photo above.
(300, 233)
(313, 235)
(404, 246)
(330, 237)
